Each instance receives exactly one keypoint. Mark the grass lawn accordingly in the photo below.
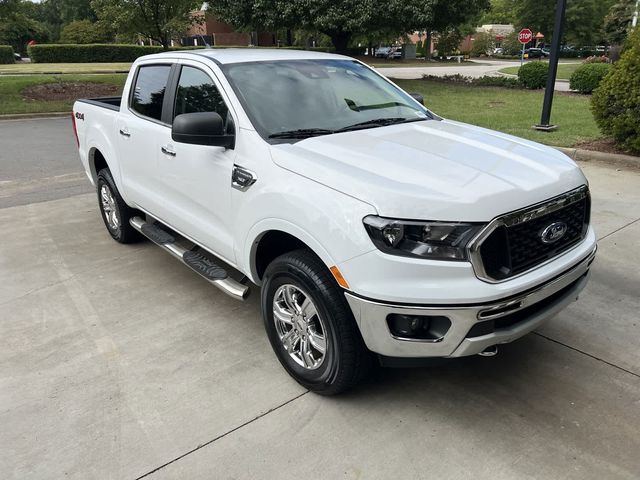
(510, 111)
(11, 100)
(564, 70)
(57, 68)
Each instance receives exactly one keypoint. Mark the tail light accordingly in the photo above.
(75, 128)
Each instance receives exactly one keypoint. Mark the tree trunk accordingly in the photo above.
(340, 41)
(370, 49)
(289, 37)
(427, 46)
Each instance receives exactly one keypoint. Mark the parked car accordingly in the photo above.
(370, 227)
(382, 52)
(396, 53)
(535, 53)
(497, 51)
(17, 57)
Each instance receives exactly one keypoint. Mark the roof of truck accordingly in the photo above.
(238, 55)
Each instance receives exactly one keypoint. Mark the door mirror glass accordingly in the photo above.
(418, 97)
(201, 128)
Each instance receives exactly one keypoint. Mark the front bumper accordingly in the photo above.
(512, 318)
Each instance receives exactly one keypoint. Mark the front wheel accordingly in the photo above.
(310, 326)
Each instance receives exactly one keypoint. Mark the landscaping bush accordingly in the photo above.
(587, 77)
(533, 75)
(6, 54)
(596, 59)
(616, 102)
(485, 81)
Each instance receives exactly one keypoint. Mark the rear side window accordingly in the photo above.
(148, 92)
(197, 93)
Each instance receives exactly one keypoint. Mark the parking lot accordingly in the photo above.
(118, 362)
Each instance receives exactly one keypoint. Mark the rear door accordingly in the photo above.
(195, 180)
(140, 127)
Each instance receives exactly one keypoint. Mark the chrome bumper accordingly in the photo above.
(371, 317)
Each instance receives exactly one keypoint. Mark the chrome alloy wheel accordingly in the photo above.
(109, 207)
(299, 326)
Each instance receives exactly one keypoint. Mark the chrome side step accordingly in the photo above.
(200, 264)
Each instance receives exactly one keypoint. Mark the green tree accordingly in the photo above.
(483, 44)
(449, 42)
(445, 15)
(85, 31)
(500, 12)
(340, 20)
(19, 29)
(618, 21)
(159, 20)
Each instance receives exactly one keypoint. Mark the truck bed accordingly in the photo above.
(112, 103)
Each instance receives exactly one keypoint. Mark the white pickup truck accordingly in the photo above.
(374, 227)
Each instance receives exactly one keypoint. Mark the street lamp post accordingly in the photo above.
(544, 124)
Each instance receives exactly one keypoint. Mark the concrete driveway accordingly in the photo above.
(118, 363)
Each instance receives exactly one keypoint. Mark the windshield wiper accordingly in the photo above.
(379, 122)
(302, 133)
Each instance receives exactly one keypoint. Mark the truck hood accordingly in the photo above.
(433, 170)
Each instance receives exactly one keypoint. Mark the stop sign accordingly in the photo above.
(525, 36)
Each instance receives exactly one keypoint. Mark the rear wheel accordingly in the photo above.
(310, 326)
(115, 212)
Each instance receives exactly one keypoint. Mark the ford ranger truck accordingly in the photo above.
(374, 229)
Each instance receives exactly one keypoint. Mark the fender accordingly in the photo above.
(98, 139)
(263, 226)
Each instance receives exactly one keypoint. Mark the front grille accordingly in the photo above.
(516, 245)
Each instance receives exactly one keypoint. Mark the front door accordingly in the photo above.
(195, 180)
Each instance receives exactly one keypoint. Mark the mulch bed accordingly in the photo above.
(65, 91)
(606, 145)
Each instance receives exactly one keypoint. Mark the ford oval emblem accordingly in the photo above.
(554, 232)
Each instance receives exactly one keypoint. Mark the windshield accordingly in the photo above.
(297, 99)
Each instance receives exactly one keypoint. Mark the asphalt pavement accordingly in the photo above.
(39, 161)
(116, 362)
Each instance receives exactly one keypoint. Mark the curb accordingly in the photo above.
(581, 155)
(29, 116)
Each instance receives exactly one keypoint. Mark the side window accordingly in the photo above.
(197, 93)
(148, 92)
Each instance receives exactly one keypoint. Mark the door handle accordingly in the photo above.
(168, 151)
(124, 132)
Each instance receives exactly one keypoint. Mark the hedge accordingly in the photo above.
(100, 52)
(587, 77)
(616, 102)
(6, 54)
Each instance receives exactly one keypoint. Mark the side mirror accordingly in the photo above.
(418, 97)
(201, 128)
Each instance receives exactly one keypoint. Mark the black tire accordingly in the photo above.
(123, 232)
(346, 359)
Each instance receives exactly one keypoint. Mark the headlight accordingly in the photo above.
(432, 240)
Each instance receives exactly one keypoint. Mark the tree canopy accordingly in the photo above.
(159, 20)
(341, 20)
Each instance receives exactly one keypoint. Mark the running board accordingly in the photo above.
(196, 261)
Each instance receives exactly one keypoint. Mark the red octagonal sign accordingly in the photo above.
(525, 36)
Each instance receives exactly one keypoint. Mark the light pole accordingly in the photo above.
(544, 124)
(634, 22)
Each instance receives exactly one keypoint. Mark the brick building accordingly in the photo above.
(219, 33)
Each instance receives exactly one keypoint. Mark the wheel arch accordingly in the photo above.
(272, 238)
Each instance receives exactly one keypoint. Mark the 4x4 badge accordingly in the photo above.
(554, 232)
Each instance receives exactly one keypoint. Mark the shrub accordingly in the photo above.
(616, 102)
(533, 75)
(485, 81)
(587, 77)
(483, 44)
(596, 59)
(6, 54)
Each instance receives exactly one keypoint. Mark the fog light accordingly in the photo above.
(418, 327)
